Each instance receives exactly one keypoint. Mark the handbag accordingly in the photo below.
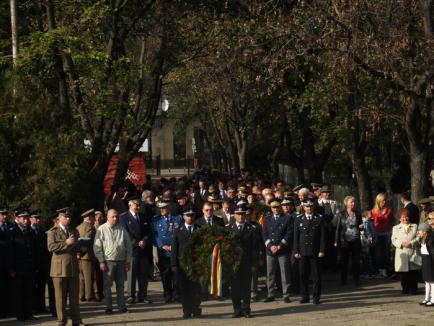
(416, 259)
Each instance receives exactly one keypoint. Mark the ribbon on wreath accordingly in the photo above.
(216, 288)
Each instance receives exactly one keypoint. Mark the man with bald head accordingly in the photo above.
(113, 249)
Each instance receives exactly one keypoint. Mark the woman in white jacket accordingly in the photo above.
(406, 241)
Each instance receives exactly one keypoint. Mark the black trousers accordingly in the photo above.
(167, 277)
(140, 275)
(310, 265)
(189, 293)
(41, 278)
(5, 294)
(22, 287)
(51, 297)
(350, 249)
(295, 276)
(240, 290)
(409, 281)
(99, 281)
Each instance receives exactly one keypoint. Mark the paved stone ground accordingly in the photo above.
(375, 302)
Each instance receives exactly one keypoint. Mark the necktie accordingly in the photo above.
(209, 222)
(190, 229)
(240, 228)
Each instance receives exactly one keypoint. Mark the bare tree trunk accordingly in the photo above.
(14, 32)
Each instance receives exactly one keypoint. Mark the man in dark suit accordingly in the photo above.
(277, 235)
(241, 281)
(309, 246)
(413, 210)
(200, 196)
(208, 217)
(139, 230)
(5, 281)
(22, 258)
(189, 291)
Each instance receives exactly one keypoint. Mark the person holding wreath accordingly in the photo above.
(190, 291)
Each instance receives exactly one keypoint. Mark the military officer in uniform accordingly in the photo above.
(189, 290)
(5, 282)
(241, 281)
(86, 259)
(22, 257)
(42, 265)
(163, 228)
(139, 230)
(309, 246)
(277, 235)
(62, 241)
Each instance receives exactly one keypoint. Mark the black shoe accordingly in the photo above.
(254, 298)
(304, 300)
(108, 311)
(236, 314)
(269, 299)
(123, 310)
(186, 314)
(248, 315)
(198, 313)
(131, 300)
(168, 299)
(286, 300)
(145, 300)
(82, 299)
(316, 301)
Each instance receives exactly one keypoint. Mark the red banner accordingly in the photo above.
(136, 172)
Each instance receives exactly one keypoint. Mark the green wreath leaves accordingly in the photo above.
(195, 258)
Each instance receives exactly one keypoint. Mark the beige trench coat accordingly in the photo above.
(402, 255)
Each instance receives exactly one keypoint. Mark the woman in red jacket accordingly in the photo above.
(383, 223)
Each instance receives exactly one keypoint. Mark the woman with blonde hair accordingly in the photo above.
(348, 227)
(383, 223)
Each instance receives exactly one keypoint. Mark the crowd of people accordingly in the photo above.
(288, 234)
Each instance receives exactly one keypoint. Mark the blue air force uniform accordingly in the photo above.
(278, 231)
(163, 229)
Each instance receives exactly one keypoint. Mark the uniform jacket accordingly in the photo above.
(138, 232)
(215, 220)
(22, 251)
(43, 255)
(87, 230)
(249, 245)
(64, 261)
(163, 232)
(402, 255)
(278, 233)
(180, 240)
(309, 236)
(4, 239)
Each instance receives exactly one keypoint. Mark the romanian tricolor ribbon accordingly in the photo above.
(216, 272)
(261, 220)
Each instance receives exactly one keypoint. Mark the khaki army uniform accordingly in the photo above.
(64, 272)
(86, 262)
